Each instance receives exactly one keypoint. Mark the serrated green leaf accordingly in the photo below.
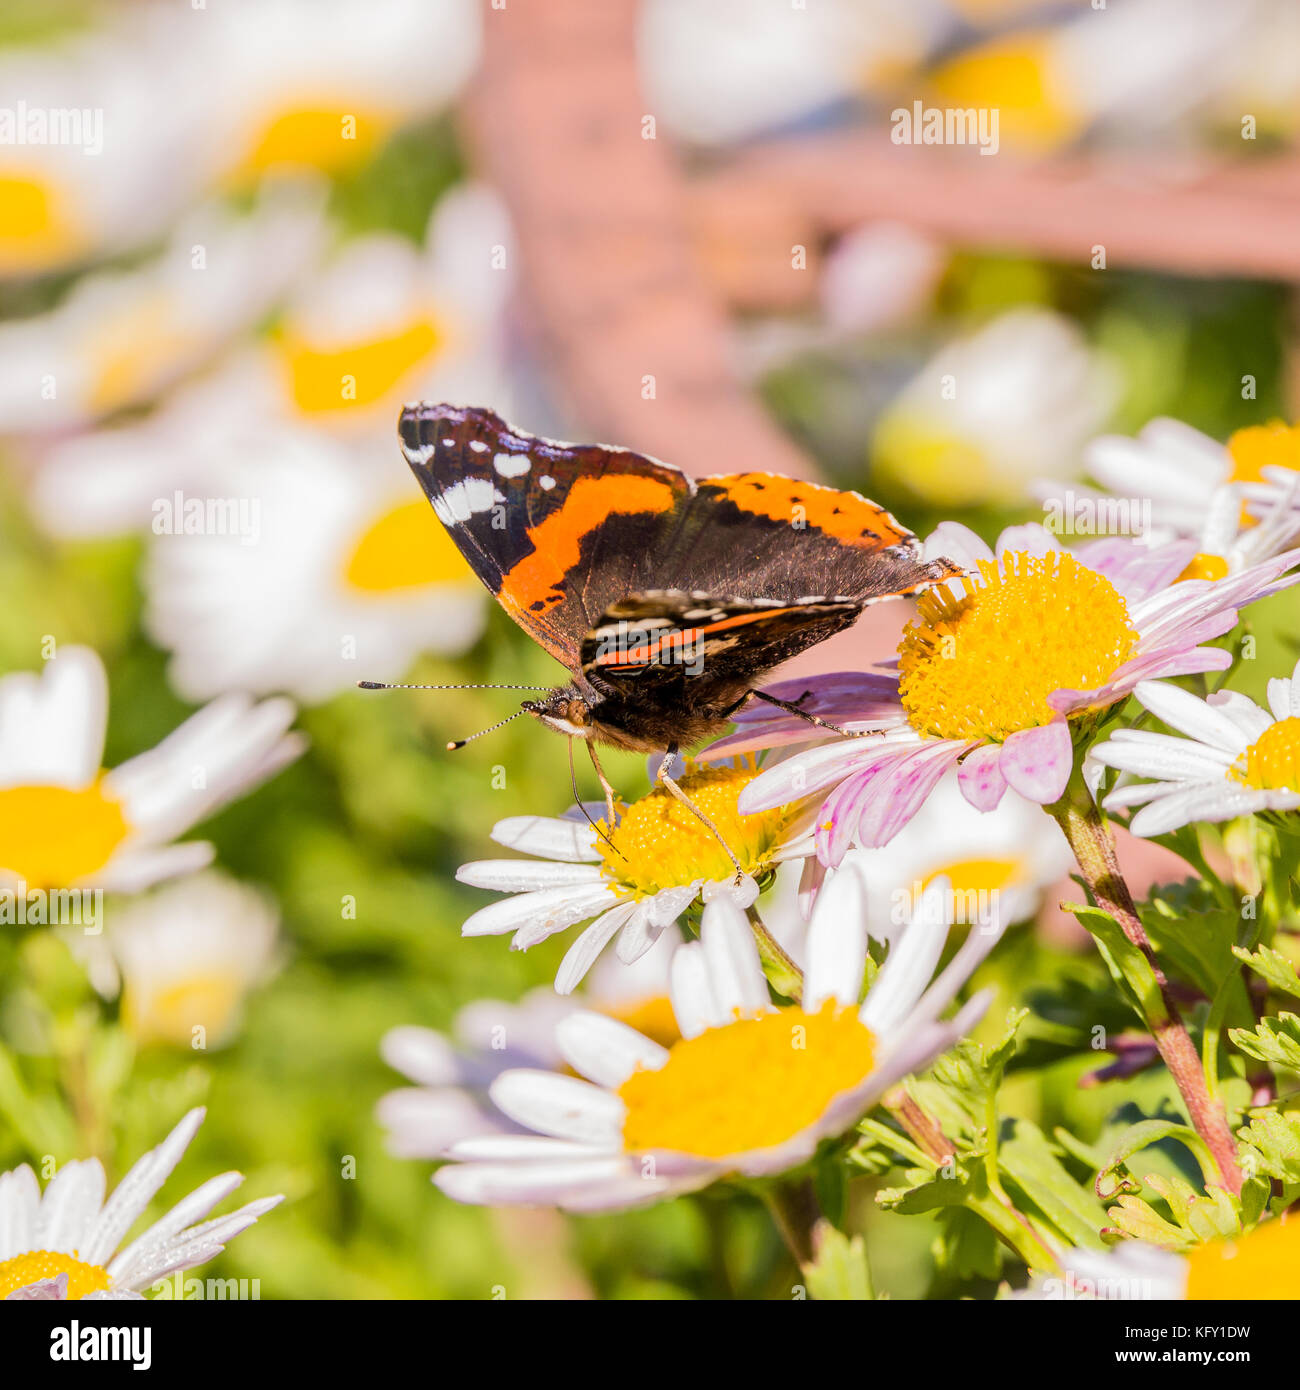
(1272, 1145)
(1276, 1041)
(1129, 968)
(1272, 966)
(1148, 1132)
(1027, 1157)
(838, 1271)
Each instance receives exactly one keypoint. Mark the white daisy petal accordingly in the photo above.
(562, 1106)
(606, 1051)
(525, 875)
(546, 911)
(692, 992)
(837, 941)
(548, 837)
(1181, 710)
(581, 956)
(731, 958)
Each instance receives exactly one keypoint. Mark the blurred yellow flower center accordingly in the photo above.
(1272, 762)
(971, 880)
(1275, 445)
(934, 464)
(1263, 1264)
(1016, 77)
(171, 1014)
(1204, 567)
(35, 1265)
(982, 666)
(34, 231)
(404, 549)
(315, 137)
(133, 351)
(653, 1017)
(659, 843)
(51, 837)
(749, 1085)
(356, 374)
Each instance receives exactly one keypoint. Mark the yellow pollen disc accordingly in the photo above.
(36, 231)
(659, 843)
(315, 137)
(653, 1017)
(134, 351)
(1272, 762)
(323, 380)
(1275, 445)
(749, 1085)
(51, 837)
(36, 1265)
(970, 877)
(982, 666)
(170, 1014)
(1263, 1264)
(1014, 76)
(405, 548)
(1204, 567)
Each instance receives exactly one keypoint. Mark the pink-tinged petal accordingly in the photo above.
(953, 541)
(902, 792)
(806, 773)
(790, 730)
(980, 777)
(837, 821)
(811, 878)
(1032, 538)
(1137, 570)
(1037, 762)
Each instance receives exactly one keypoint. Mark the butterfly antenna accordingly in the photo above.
(383, 685)
(573, 782)
(461, 742)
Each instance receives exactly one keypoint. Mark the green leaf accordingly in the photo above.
(838, 1270)
(1148, 1132)
(967, 1247)
(1272, 1145)
(1129, 968)
(1272, 966)
(1030, 1161)
(1276, 1041)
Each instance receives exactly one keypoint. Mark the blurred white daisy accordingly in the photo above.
(749, 1089)
(65, 822)
(993, 411)
(343, 573)
(634, 879)
(89, 168)
(122, 337)
(321, 84)
(449, 1101)
(67, 1241)
(1236, 759)
(185, 958)
(1260, 1264)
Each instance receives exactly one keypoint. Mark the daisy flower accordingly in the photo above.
(1001, 670)
(185, 958)
(67, 1241)
(319, 85)
(65, 822)
(108, 174)
(449, 1101)
(994, 410)
(347, 575)
(656, 861)
(121, 337)
(749, 1088)
(1235, 759)
(1261, 1264)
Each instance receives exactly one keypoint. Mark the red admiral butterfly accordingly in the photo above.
(666, 598)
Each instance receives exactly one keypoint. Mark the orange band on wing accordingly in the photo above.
(680, 637)
(844, 515)
(557, 541)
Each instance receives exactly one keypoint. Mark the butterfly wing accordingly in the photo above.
(557, 532)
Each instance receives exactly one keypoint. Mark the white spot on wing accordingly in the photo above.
(419, 455)
(546, 481)
(512, 465)
(464, 499)
(478, 446)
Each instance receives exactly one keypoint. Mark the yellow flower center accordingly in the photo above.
(1204, 567)
(35, 1265)
(1016, 77)
(35, 231)
(1263, 1264)
(659, 843)
(1275, 445)
(971, 881)
(52, 837)
(170, 1014)
(653, 1017)
(405, 548)
(1272, 762)
(134, 351)
(982, 666)
(311, 136)
(324, 380)
(935, 464)
(749, 1085)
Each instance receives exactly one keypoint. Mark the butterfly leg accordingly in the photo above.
(661, 775)
(792, 707)
(611, 796)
